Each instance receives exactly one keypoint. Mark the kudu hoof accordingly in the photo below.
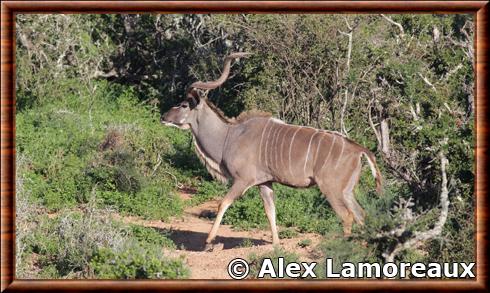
(348, 236)
(213, 247)
(208, 247)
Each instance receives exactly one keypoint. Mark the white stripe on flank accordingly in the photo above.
(276, 153)
(308, 152)
(282, 147)
(261, 139)
(318, 146)
(329, 152)
(271, 151)
(341, 153)
(290, 146)
(266, 144)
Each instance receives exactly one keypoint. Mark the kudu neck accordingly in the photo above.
(210, 132)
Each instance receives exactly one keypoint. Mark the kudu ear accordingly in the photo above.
(193, 98)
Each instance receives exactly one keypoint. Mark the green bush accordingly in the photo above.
(72, 155)
(137, 262)
(152, 236)
(208, 190)
(58, 55)
(288, 233)
(70, 240)
(304, 243)
(152, 202)
(115, 171)
(246, 243)
(305, 209)
(27, 212)
(247, 212)
(342, 250)
(89, 244)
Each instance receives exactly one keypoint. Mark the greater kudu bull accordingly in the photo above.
(256, 150)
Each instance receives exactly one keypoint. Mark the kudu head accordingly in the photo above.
(186, 112)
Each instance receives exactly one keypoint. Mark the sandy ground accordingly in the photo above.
(190, 231)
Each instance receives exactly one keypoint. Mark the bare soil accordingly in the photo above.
(189, 233)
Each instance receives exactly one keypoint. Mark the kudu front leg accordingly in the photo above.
(236, 190)
(267, 195)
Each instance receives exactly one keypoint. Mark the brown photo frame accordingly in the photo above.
(8, 10)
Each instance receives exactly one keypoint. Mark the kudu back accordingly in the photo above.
(257, 150)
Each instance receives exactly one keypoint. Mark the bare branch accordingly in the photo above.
(426, 80)
(420, 237)
(400, 27)
(451, 72)
(376, 133)
(347, 23)
(414, 114)
(346, 97)
(97, 73)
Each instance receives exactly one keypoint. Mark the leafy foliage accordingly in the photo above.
(89, 244)
(137, 262)
(305, 209)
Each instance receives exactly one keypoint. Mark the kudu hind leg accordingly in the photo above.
(355, 208)
(336, 201)
(349, 199)
(267, 195)
(236, 190)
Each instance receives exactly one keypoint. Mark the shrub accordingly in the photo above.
(305, 209)
(137, 262)
(27, 212)
(247, 212)
(58, 55)
(89, 244)
(304, 243)
(115, 171)
(287, 234)
(70, 240)
(151, 235)
(152, 202)
(247, 243)
(208, 190)
(341, 250)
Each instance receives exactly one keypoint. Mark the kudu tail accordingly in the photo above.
(375, 171)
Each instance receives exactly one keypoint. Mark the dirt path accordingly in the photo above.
(190, 231)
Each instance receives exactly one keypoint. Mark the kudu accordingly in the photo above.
(255, 150)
